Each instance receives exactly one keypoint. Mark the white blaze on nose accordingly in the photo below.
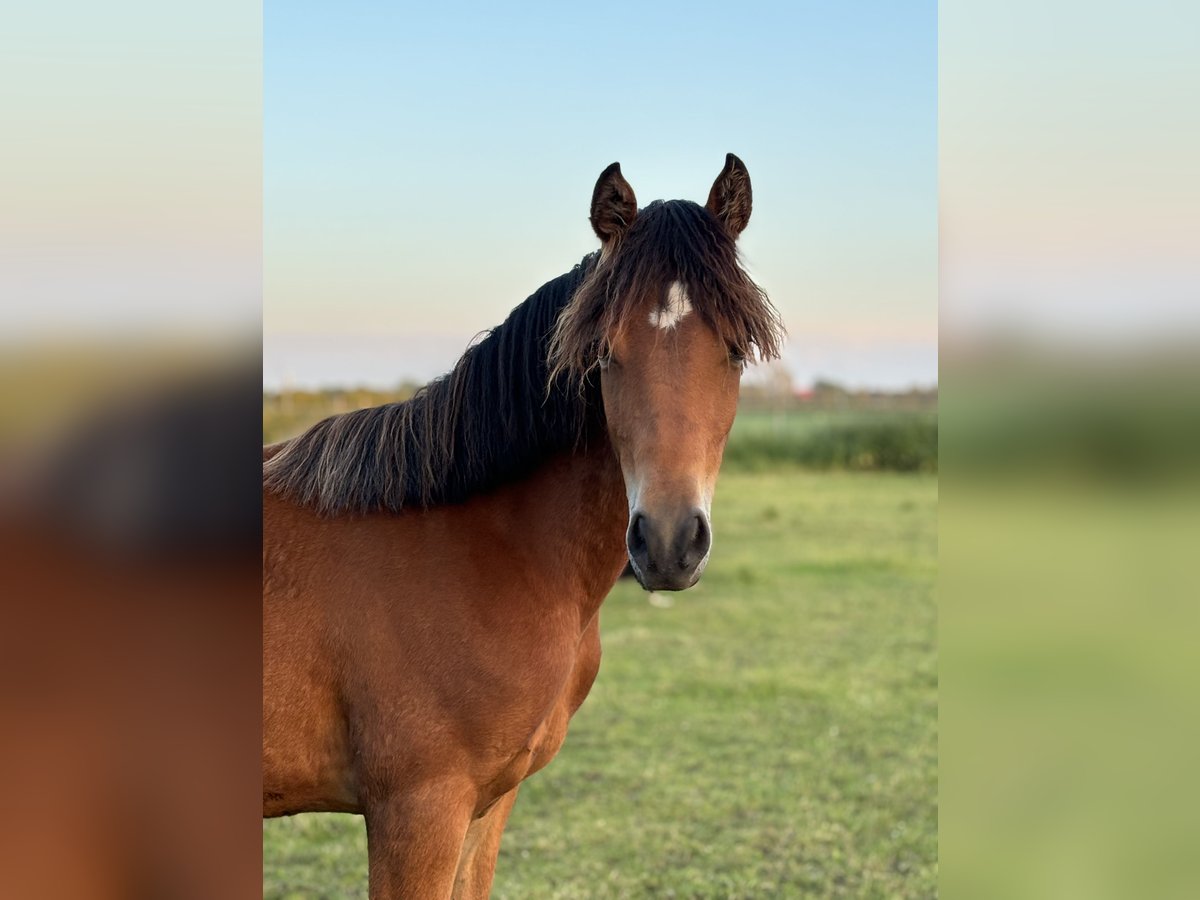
(678, 306)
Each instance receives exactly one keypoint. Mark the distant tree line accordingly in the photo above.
(775, 389)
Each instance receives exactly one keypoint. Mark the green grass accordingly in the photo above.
(772, 733)
(864, 441)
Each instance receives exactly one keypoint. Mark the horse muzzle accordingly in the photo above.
(668, 552)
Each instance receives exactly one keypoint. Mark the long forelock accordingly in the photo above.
(670, 242)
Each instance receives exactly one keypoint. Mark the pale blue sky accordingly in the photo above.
(426, 168)
(1070, 206)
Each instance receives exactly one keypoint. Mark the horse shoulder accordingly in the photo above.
(546, 739)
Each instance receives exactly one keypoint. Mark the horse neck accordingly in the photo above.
(574, 512)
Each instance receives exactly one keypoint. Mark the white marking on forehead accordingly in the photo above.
(678, 306)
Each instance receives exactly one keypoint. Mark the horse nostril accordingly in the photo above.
(637, 535)
(703, 538)
(697, 540)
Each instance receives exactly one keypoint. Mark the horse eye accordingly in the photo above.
(737, 357)
(604, 360)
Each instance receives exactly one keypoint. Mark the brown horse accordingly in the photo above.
(433, 570)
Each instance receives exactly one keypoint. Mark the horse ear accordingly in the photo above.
(614, 207)
(730, 197)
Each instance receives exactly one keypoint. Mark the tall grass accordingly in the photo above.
(891, 442)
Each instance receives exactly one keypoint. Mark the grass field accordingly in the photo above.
(865, 441)
(772, 733)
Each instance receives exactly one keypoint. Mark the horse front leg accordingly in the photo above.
(477, 865)
(415, 840)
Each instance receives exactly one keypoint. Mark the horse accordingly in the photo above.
(433, 569)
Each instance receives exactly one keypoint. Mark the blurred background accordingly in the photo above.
(1070, 275)
(130, 304)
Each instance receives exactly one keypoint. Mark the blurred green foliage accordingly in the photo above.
(1069, 726)
(851, 441)
(1069, 525)
(1135, 422)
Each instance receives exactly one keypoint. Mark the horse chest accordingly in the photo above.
(550, 732)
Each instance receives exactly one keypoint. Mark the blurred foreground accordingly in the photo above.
(130, 624)
(1070, 522)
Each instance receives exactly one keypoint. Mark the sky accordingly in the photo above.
(427, 167)
(130, 169)
(1069, 134)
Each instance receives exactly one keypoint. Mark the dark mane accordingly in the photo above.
(522, 395)
(674, 240)
(490, 420)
